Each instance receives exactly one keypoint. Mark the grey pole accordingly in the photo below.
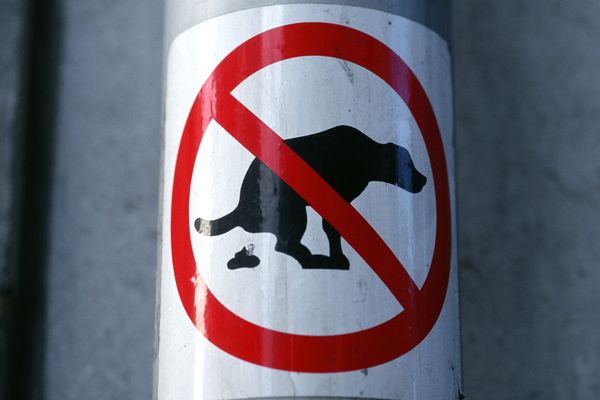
(183, 14)
(310, 92)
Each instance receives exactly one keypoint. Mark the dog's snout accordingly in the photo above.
(419, 181)
(423, 180)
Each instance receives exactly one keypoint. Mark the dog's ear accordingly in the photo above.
(400, 169)
(389, 163)
(397, 157)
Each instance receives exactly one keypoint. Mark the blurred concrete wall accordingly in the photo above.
(104, 201)
(12, 30)
(528, 151)
(97, 226)
(528, 146)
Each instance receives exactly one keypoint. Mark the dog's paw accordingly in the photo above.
(342, 262)
(319, 261)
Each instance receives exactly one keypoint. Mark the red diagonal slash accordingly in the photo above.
(269, 147)
(293, 352)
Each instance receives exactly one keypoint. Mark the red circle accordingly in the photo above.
(308, 353)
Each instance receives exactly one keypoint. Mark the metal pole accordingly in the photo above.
(308, 230)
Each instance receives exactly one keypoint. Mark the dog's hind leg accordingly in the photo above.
(289, 234)
(335, 247)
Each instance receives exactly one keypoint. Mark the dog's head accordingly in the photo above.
(400, 170)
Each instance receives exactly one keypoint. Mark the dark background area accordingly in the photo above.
(80, 139)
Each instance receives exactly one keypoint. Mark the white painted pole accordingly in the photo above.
(309, 241)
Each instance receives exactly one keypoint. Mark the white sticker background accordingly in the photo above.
(298, 97)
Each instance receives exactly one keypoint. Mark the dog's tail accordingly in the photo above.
(217, 226)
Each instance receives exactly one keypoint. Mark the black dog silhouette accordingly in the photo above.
(347, 159)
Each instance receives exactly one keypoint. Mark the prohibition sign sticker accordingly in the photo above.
(287, 351)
